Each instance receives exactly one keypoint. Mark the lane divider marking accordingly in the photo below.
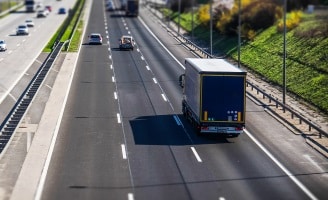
(123, 151)
(196, 154)
(118, 118)
(164, 97)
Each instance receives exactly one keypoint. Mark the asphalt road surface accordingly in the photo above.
(123, 137)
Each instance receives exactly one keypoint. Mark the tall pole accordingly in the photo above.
(211, 27)
(284, 56)
(192, 21)
(179, 17)
(239, 31)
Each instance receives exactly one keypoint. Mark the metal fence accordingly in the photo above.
(202, 53)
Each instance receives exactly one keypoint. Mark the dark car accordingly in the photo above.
(49, 8)
(62, 11)
(126, 42)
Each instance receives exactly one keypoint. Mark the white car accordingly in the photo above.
(41, 13)
(3, 45)
(22, 30)
(95, 38)
(29, 23)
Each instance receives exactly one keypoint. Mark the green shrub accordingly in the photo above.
(292, 21)
(204, 14)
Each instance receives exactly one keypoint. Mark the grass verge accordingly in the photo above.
(307, 55)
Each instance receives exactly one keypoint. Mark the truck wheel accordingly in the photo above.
(184, 112)
(198, 133)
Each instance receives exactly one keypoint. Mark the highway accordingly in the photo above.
(19, 63)
(122, 135)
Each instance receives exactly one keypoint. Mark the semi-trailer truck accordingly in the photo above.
(132, 8)
(30, 5)
(214, 96)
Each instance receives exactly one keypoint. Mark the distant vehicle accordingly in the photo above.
(3, 45)
(126, 42)
(29, 23)
(30, 5)
(214, 96)
(39, 5)
(132, 8)
(49, 8)
(22, 30)
(41, 13)
(123, 4)
(110, 5)
(62, 11)
(95, 38)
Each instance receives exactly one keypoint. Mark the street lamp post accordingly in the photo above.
(192, 21)
(211, 27)
(284, 56)
(239, 31)
(179, 17)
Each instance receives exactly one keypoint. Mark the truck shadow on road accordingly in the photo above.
(167, 130)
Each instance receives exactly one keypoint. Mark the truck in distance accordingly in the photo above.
(214, 96)
(30, 5)
(132, 8)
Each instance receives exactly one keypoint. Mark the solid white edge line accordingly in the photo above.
(118, 118)
(196, 154)
(283, 168)
(123, 151)
(177, 120)
(164, 97)
(144, 24)
(130, 196)
(155, 81)
(294, 179)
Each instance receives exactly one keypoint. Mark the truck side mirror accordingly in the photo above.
(181, 80)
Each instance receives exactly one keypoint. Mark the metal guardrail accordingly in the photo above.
(284, 107)
(76, 23)
(12, 9)
(9, 125)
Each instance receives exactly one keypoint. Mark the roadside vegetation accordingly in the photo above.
(6, 5)
(262, 42)
(70, 32)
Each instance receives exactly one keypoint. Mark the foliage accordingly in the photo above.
(307, 62)
(307, 54)
(69, 31)
(204, 14)
(255, 16)
(184, 5)
(76, 39)
(292, 21)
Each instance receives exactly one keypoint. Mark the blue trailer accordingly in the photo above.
(214, 96)
(132, 8)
